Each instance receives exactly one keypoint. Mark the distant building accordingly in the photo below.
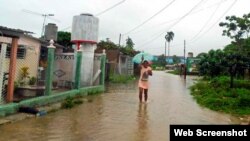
(170, 60)
(190, 54)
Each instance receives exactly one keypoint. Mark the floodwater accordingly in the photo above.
(118, 116)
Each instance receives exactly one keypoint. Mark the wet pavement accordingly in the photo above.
(117, 115)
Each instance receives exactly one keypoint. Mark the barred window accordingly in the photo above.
(21, 51)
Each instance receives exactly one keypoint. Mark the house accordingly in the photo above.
(23, 54)
(28, 50)
(170, 59)
(192, 63)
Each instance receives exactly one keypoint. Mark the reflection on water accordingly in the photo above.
(117, 115)
(142, 121)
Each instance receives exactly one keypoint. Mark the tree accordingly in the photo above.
(129, 43)
(169, 37)
(212, 63)
(237, 28)
(160, 61)
(129, 48)
(64, 39)
(176, 60)
(200, 55)
(109, 45)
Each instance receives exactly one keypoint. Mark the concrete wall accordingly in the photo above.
(87, 64)
(12, 108)
(64, 63)
(64, 68)
(97, 67)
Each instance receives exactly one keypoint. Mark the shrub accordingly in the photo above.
(32, 80)
(115, 78)
(70, 102)
(216, 95)
(24, 72)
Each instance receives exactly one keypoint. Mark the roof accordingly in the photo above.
(17, 33)
(11, 32)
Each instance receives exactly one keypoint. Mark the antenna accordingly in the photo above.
(44, 20)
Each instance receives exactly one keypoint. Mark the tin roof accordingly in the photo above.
(11, 32)
(17, 33)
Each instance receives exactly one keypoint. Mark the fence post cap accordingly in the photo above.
(51, 44)
(80, 49)
(103, 51)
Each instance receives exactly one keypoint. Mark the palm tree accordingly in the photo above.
(169, 37)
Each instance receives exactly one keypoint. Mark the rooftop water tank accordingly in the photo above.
(85, 29)
(51, 32)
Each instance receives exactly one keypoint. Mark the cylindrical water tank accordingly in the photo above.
(85, 29)
(51, 32)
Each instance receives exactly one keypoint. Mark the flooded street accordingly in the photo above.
(118, 116)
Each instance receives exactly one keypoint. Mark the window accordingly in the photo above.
(21, 51)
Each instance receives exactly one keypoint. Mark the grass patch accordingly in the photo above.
(115, 78)
(70, 102)
(158, 68)
(175, 72)
(216, 95)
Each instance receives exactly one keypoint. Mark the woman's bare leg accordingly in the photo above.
(140, 94)
(145, 95)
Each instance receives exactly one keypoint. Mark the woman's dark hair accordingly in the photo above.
(145, 61)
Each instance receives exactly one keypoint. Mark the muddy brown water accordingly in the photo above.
(118, 116)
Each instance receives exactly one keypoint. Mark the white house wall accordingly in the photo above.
(31, 59)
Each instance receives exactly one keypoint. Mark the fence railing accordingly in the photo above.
(62, 72)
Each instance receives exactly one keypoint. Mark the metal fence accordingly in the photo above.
(3, 73)
(30, 72)
(26, 72)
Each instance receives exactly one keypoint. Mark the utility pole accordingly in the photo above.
(44, 21)
(45, 16)
(165, 51)
(120, 36)
(185, 67)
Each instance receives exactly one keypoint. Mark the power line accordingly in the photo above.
(152, 27)
(150, 18)
(159, 35)
(45, 17)
(175, 19)
(205, 25)
(210, 26)
(98, 14)
(231, 6)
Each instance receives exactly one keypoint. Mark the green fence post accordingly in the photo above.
(50, 68)
(78, 69)
(103, 63)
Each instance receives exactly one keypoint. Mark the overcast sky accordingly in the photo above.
(198, 27)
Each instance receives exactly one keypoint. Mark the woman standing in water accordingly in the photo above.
(146, 70)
